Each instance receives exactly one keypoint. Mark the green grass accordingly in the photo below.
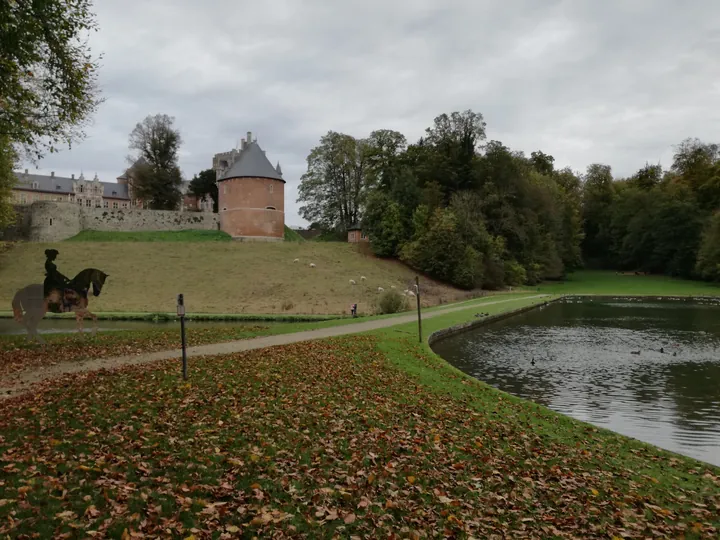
(220, 277)
(292, 236)
(604, 282)
(190, 235)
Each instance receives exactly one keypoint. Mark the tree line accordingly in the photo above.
(478, 214)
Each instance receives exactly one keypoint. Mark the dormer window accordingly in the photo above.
(114, 193)
(82, 188)
(57, 187)
(34, 185)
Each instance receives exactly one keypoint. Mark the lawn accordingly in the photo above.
(604, 282)
(360, 436)
(222, 277)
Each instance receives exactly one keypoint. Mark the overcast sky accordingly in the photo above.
(618, 82)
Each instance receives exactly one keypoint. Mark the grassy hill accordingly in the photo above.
(221, 277)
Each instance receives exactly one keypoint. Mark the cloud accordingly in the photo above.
(618, 82)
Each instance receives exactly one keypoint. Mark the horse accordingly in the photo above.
(30, 304)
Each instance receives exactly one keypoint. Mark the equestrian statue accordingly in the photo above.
(57, 294)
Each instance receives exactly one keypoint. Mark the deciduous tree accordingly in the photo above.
(333, 187)
(203, 184)
(156, 177)
(48, 75)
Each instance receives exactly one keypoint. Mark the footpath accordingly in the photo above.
(21, 385)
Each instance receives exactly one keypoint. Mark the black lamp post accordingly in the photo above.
(181, 314)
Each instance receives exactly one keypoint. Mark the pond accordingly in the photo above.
(52, 326)
(647, 369)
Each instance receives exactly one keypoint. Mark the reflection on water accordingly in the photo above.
(668, 394)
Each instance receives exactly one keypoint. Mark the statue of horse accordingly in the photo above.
(30, 303)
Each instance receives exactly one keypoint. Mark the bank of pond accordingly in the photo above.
(645, 368)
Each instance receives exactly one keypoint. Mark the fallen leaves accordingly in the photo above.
(18, 355)
(317, 440)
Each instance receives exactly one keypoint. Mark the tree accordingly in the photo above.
(47, 74)
(542, 163)
(7, 180)
(156, 177)
(598, 195)
(383, 224)
(384, 147)
(205, 183)
(335, 182)
(708, 260)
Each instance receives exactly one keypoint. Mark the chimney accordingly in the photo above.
(52, 174)
(26, 171)
(72, 176)
(249, 137)
(242, 144)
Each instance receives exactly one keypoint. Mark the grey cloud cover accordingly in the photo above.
(618, 82)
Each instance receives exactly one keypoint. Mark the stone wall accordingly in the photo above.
(136, 219)
(55, 221)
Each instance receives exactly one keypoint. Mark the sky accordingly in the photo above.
(617, 82)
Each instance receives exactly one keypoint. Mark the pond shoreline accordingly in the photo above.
(474, 350)
(456, 329)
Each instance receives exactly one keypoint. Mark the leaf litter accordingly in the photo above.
(322, 439)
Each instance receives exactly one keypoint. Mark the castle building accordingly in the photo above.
(88, 193)
(92, 193)
(251, 193)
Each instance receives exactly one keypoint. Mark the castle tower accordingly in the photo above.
(251, 194)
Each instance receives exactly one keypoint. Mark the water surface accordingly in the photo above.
(667, 395)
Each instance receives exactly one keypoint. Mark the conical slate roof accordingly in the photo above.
(252, 162)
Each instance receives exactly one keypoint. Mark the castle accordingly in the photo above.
(251, 193)
(251, 197)
(94, 193)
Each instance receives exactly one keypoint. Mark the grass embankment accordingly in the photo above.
(362, 436)
(222, 277)
(292, 236)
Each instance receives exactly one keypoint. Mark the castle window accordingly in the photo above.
(115, 204)
(88, 203)
(81, 188)
(105, 204)
(270, 208)
(98, 204)
(22, 199)
(79, 200)
(51, 222)
(124, 205)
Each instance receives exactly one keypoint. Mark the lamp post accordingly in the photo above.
(417, 295)
(181, 314)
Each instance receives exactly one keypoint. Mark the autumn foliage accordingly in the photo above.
(321, 439)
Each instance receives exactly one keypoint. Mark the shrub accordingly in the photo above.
(391, 302)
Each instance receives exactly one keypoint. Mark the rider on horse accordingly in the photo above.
(55, 280)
